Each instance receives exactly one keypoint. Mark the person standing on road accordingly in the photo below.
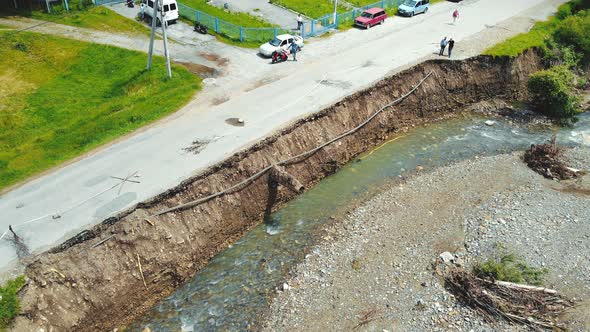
(451, 45)
(443, 44)
(455, 15)
(142, 10)
(299, 21)
(294, 48)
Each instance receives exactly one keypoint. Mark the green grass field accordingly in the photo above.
(236, 18)
(9, 304)
(93, 17)
(534, 38)
(311, 8)
(60, 98)
(97, 18)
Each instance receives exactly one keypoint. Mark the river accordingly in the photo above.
(237, 285)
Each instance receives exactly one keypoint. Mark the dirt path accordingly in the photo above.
(378, 262)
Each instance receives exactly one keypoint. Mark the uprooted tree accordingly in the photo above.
(547, 160)
(537, 307)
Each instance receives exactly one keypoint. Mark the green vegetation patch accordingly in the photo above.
(97, 18)
(9, 304)
(60, 98)
(563, 26)
(534, 38)
(510, 268)
(84, 14)
(574, 31)
(311, 8)
(552, 92)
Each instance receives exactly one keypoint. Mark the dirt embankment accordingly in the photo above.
(93, 282)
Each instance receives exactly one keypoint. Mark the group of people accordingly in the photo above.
(444, 43)
(449, 42)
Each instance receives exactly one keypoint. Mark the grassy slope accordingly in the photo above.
(311, 8)
(540, 32)
(97, 18)
(60, 98)
(239, 19)
(9, 305)
(519, 43)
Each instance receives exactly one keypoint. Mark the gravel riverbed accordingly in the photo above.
(373, 271)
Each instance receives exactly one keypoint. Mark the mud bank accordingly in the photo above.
(93, 281)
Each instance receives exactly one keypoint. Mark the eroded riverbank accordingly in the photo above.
(379, 260)
(98, 284)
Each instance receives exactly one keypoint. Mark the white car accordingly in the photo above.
(280, 42)
(168, 7)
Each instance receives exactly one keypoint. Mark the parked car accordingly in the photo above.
(169, 8)
(280, 42)
(371, 17)
(413, 7)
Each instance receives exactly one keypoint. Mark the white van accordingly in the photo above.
(169, 8)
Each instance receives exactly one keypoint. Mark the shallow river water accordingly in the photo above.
(235, 287)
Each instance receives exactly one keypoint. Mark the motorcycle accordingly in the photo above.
(280, 56)
(200, 28)
(130, 4)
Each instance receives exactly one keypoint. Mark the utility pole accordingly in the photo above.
(335, 10)
(166, 53)
(154, 19)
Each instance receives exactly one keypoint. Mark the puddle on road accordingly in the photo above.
(215, 58)
(237, 122)
(200, 70)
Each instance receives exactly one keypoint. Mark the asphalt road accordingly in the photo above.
(61, 203)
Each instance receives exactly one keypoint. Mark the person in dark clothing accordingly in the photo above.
(294, 49)
(443, 44)
(451, 45)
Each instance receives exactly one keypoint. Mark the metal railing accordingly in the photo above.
(310, 28)
(227, 29)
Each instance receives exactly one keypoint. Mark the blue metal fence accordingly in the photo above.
(228, 29)
(310, 28)
(328, 22)
(106, 2)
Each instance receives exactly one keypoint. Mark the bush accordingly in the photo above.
(9, 305)
(555, 54)
(510, 268)
(571, 8)
(552, 92)
(575, 31)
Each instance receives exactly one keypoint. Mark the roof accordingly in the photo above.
(373, 10)
(284, 36)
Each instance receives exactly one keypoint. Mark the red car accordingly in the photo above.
(370, 17)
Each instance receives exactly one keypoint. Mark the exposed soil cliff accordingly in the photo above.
(93, 282)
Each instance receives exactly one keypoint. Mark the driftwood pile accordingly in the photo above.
(536, 307)
(546, 159)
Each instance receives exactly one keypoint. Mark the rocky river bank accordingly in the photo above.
(374, 271)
